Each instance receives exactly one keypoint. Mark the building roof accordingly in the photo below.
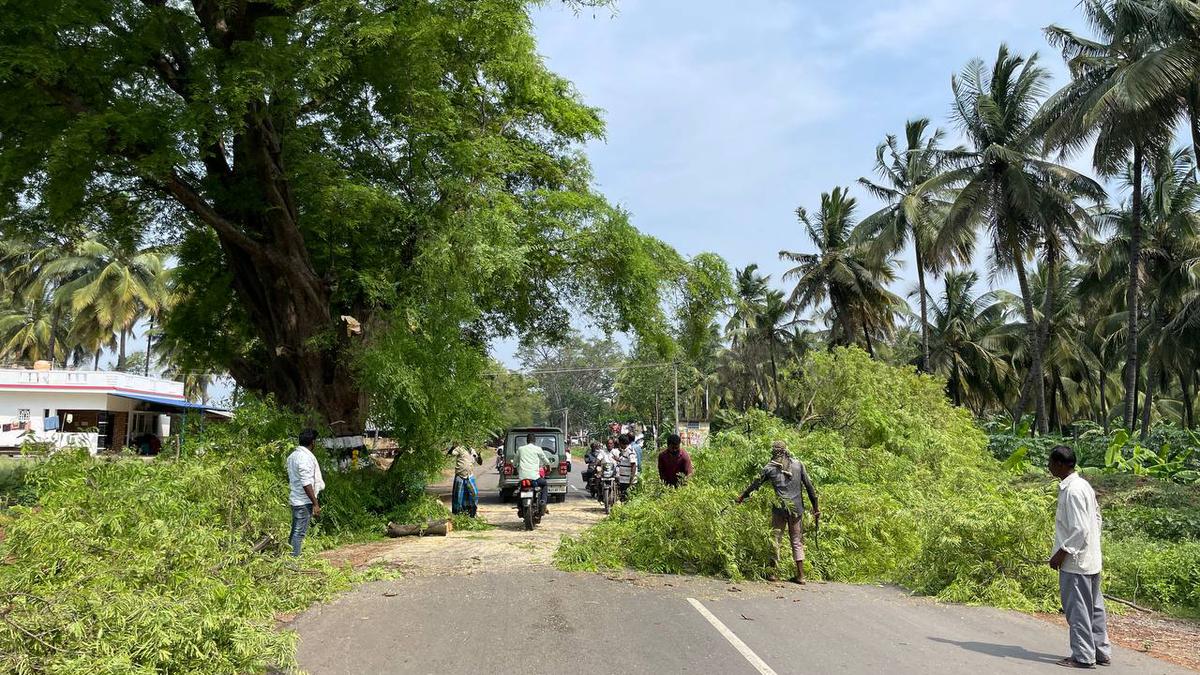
(168, 402)
(89, 381)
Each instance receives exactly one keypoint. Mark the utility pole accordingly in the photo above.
(676, 368)
(566, 429)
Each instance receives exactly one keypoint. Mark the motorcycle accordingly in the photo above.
(607, 492)
(529, 507)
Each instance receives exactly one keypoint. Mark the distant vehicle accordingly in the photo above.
(551, 441)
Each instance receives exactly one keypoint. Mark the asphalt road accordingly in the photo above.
(534, 619)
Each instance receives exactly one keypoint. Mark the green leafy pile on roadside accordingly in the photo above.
(908, 495)
(125, 565)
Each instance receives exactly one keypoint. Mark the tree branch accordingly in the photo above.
(186, 195)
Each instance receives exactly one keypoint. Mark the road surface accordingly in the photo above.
(494, 605)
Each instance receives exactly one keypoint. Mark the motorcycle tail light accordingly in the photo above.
(562, 468)
(508, 469)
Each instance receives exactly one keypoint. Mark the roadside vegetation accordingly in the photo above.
(124, 565)
(909, 494)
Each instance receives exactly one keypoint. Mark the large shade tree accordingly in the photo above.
(333, 170)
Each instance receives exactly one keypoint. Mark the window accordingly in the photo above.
(45, 413)
(22, 415)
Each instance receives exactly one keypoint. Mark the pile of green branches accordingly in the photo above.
(908, 495)
(124, 565)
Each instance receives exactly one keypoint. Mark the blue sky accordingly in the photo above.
(723, 117)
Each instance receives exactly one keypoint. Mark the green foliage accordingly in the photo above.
(14, 484)
(1157, 572)
(129, 566)
(1168, 453)
(907, 495)
(133, 566)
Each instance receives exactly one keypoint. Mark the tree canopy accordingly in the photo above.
(331, 172)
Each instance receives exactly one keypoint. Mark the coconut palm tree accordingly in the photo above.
(843, 272)
(1098, 105)
(963, 341)
(771, 326)
(114, 283)
(1008, 187)
(916, 205)
(750, 293)
(29, 328)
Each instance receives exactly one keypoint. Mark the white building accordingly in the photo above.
(104, 411)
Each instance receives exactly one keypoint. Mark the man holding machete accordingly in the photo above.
(787, 475)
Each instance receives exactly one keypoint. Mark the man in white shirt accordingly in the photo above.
(531, 464)
(627, 465)
(304, 484)
(1078, 560)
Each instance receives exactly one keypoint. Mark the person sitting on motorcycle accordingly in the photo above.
(593, 454)
(531, 462)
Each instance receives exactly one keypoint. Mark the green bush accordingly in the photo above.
(14, 488)
(1156, 572)
(909, 494)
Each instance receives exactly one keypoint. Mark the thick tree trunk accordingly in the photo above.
(867, 337)
(96, 360)
(1052, 404)
(431, 528)
(1148, 402)
(924, 305)
(1037, 384)
(1045, 325)
(1133, 292)
(1153, 372)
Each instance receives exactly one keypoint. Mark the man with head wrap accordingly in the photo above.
(787, 475)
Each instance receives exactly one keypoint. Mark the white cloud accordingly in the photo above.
(914, 23)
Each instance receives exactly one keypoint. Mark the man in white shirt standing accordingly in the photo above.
(627, 465)
(304, 484)
(1078, 561)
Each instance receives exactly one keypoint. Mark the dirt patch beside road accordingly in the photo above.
(1174, 640)
(504, 547)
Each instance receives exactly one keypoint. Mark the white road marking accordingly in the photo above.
(734, 640)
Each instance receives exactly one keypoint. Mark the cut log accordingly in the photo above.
(439, 528)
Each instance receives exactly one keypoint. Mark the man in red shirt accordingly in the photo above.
(674, 463)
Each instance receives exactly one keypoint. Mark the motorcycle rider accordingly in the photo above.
(591, 458)
(531, 464)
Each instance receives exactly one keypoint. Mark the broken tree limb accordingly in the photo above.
(438, 528)
(1126, 603)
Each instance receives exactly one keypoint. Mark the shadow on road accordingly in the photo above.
(1003, 651)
